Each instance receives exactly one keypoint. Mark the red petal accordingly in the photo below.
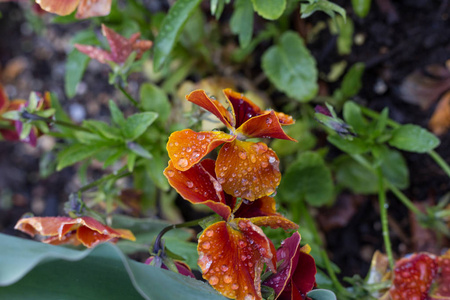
(120, 46)
(95, 53)
(265, 206)
(200, 98)
(243, 108)
(93, 8)
(264, 126)
(187, 147)
(4, 101)
(248, 170)
(198, 186)
(70, 238)
(283, 118)
(231, 257)
(304, 277)
(46, 226)
(59, 7)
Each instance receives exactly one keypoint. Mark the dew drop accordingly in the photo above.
(234, 286)
(200, 137)
(183, 162)
(272, 159)
(206, 245)
(224, 168)
(204, 146)
(249, 195)
(253, 158)
(249, 297)
(244, 181)
(270, 190)
(233, 174)
(243, 257)
(217, 186)
(170, 173)
(264, 164)
(242, 244)
(188, 149)
(195, 154)
(237, 193)
(242, 155)
(213, 280)
(209, 233)
(268, 121)
(221, 180)
(224, 268)
(227, 279)
(190, 184)
(170, 144)
(249, 169)
(176, 144)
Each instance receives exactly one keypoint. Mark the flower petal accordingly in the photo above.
(265, 206)
(283, 118)
(59, 7)
(198, 186)
(4, 100)
(243, 108)
(304, 277)
(187, 147)
(231, 257)
(264, 126)
(95, 53)
(200, 98)
(120, 46)
(274, 222)
(182, 267)
(46, 226)
(93, 8)
(248, 170)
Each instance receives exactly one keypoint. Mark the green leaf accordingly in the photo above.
(12, 115)
(139, 150)
(345, 39)
(395, 169)
(361, 7)
(33, 270)
(353, 116)
(241, 22)
(292, 69)
(88, 138)
(103, 129)
(136, 124)
(413, 138)
(131, 160)
(380, 124)
(171, 27)
(75, 153)
(351, 84)
(75, 66)
(307, 178)
(116, 114)
(354, 146)
(155, 99)
(321, 294)
(269, 9)
(155, 169)
(354, 176)
(307, 9)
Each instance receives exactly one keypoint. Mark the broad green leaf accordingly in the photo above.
(395, 169)
(353, 116)
(321, 294)
(75, 153)
(155, 169)
(88, 138)
(345, 37)
(155, 99)
(131, 160)
(307, 9)
(103, 129)
(136, 124)
(413, 138)
(354, 176)
(75, 66)
(269, 9)
(139, 150)
(307, 178)
(380, 124)
(116, 114)
(241, 22)
(354, 146)
(217, 7)
(361, 7)
(33, 270)
(351, 84)
(292, 69)
(171, 27)
(114, 157)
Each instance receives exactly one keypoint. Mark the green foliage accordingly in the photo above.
(291, 68)
(321, 294)
(361, 7)
(155, 99)
(327, 7)
(269, 9)
(241, 22)
(413, 138)
(351, 84)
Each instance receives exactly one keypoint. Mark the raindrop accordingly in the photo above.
(206, 245)
(249, 297)
(217, 186)
(244, 181)
(264, 164)
(224, 268)
(209, 233)
(233, 174)
(170, 173)
(237, 193)
(242, 155)
(214, 280)
(242, 244)
(188, 149)
(234, 286)
(250, 195)
(221, 180)
(200, 137)
(204, 146)
(268, 121)
(227, 279)
(272, 159)
(253, 158)
(243, 257)
(176, 144)
(195, 154)
(170, 144)
(190, 184)
(183, 162)
(270, 191)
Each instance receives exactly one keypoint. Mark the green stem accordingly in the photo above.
(402, 197)
(135, 103)
(384, 217)
(116, 175)
(440, 161)
(69, 125)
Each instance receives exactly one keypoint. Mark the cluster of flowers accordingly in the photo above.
(237, 186)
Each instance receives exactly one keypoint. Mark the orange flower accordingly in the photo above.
(86, 8)
(121, 47)
(244, 169)
(231, 252)
(65, 230)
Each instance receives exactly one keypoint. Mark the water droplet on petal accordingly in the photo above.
(190, 184)
(268, 121)
(264, 164)
(243, 257)
(242, 244)
(272, 159)
(224, 268)
(217, 186)
(253, 158)
(242, 155)
(234, 286)
(209, 233)
(176, 144)
(195, 154)
(188, 149)
(227, 279)
(183, 162)
(200, 137)
(213, 280)
(270, 190)
(244, 181)
(221, 180)
(206, 245)
(249, 297)
(170, 173)
(233, 174)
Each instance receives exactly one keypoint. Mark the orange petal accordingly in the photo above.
(187, 147)
(95, 53)
(232, 256)
(93, 8)
(283, 118)
(248, 170)
(46, 226)
(264, 126)
(198, 186)
(4, 101)
(274, 222)
(200, 98)
(70, 238)
(59, 7)
(243, 108)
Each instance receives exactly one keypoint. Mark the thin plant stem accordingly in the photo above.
(384, 217)
(405, 200)
(434, 155)
(135, 103)
(115, 175)
(51, 121)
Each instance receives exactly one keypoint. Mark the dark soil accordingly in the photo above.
(399, 38)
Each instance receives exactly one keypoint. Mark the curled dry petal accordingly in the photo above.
(95, 53)
(248, 170)
(59, 7)
(232, 255)
(60, 230)
(266, 125)
(187, 147)
(198, 186)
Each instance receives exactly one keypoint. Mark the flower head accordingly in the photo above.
(182, 267)
(86, 8)
(232, 252)
(121, 47)
(244, 169)
(296, 272)
(66, 230)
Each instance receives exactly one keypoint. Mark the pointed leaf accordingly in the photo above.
(269, 9)
(413, 138)
(241, 22)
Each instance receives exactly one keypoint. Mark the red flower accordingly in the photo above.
(232, 252)
(296, 271)
(86, 8)
(121, 47)
(182, 267)
(65, 230)
(244, 169)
